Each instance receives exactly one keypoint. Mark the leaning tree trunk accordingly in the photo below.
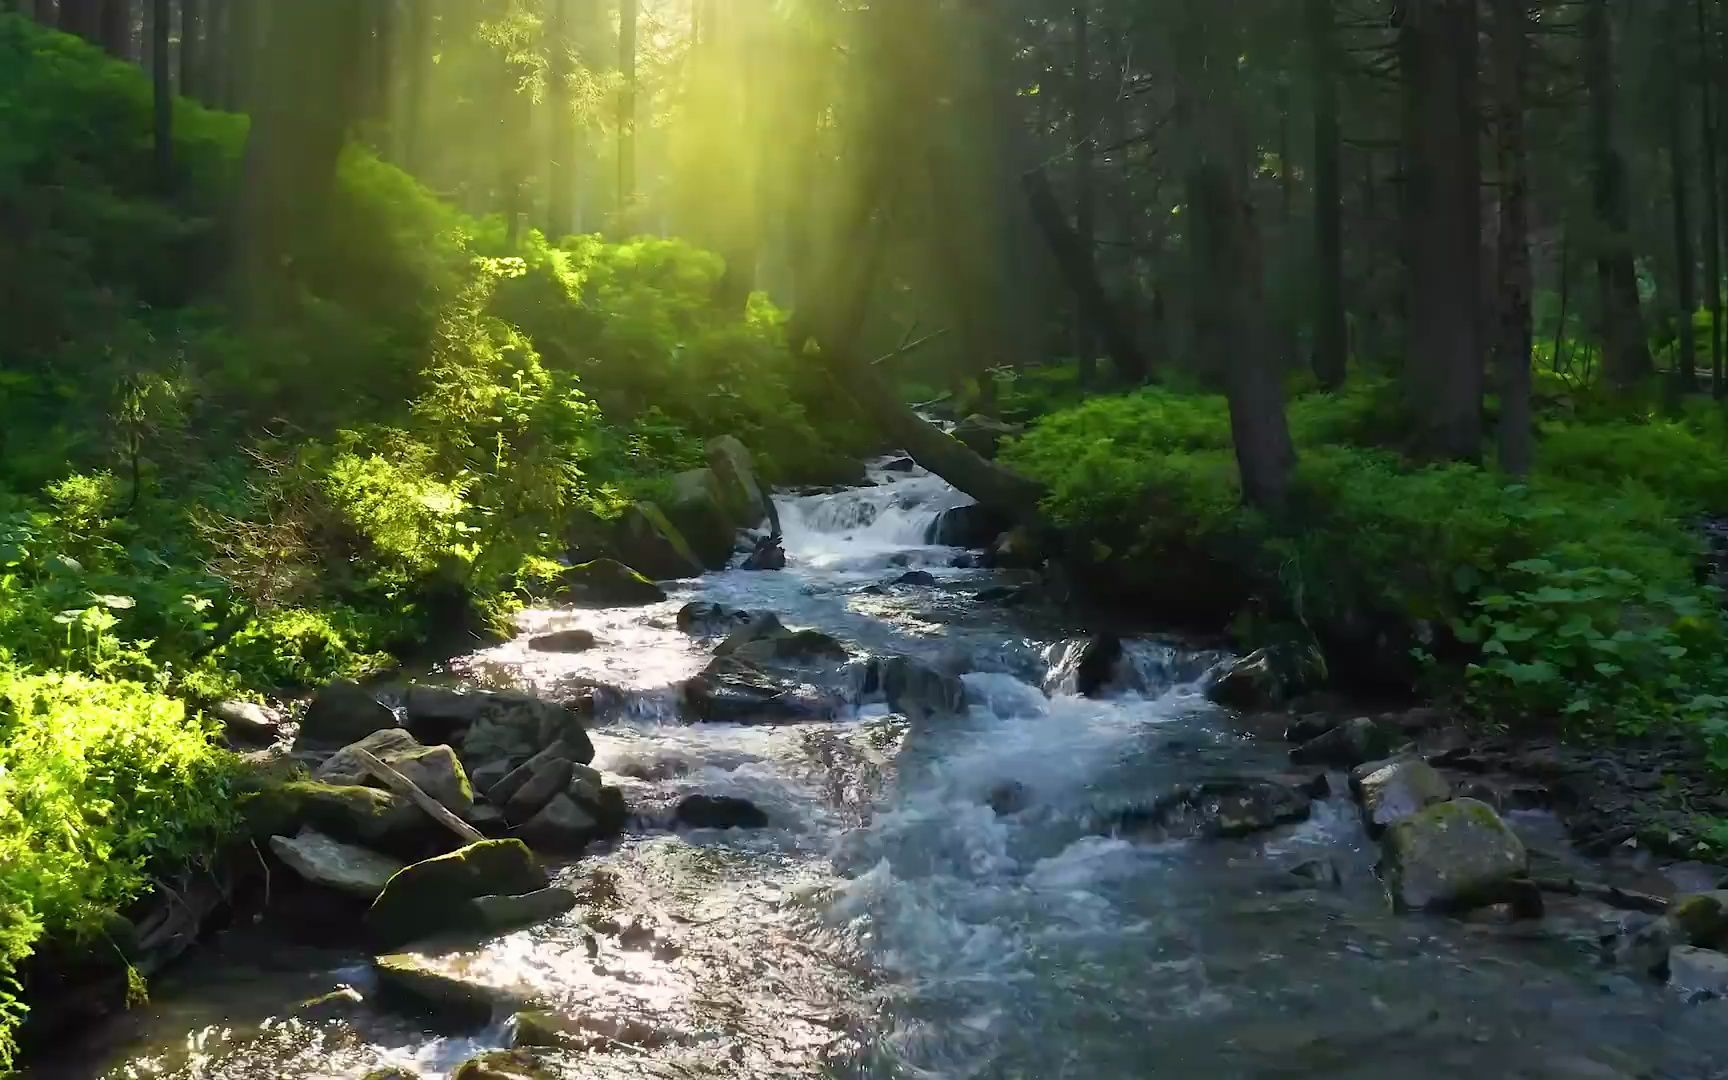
(1443, 358)
(1512, 343)
(1225, 244)
(1625, 352)
(1331, 336)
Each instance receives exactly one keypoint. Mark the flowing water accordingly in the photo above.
(936, 899)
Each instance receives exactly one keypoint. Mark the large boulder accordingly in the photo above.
(732, 691)
(699, 511)
(1220, 807)
(649, 541)
(607, 583)
(1266, 678)
(346, 868)
(970, 526)
(1451, 856)
(719, 812)
(741, 492)
(914, 688)
(792, 647)
(1091, 667)
(430, 896)
(433, 769)
(1391, 791)
(700, 618)
(498, 730)
(502, 914)
(419, 985)
(349, 813)
(756, 626)
(563, 826)
(341, 713)
(983, 435)
(1347, 745)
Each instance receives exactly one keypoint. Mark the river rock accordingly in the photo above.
(429, 896)
(338, 1004)
(914, 688)
(983, 435)
(341, 713)
(767, 555)
(1258, 681)
(1223, 807)
(740, 491)
(1309, 726)
(701, 619)
(1100, 665)
(348, 813)
(700, 514)
(546, 779)
(1017, 549)
(343, 867)
(1345, 746)
(513, 781)
(916, 577)
(502, 1065)
(607, 583)
(1391, 791)
(563, 641)
(793, 647)
(248, 724)
(1451, 856)
(434, 769)
(648, 541)
(1698, 973)
(969, 526)
(732, 691)
(719, 812)
(562, 826)
(756, 626)
(415, 984)
(587, 1032)
(518, 727)
(1702, 918)
(1315, 874)
(501, 914)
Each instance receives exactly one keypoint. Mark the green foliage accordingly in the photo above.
(102, 783)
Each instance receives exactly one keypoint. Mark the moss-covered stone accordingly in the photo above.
(1450, 856)
(1702, 918)
(649, 541)
(740, 491)
(416, 985)
(431, 896)
(699, 512)
(502, 1065)
(345, 812)
(607, 583)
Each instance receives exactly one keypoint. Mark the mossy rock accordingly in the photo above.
(699, 512)
(346, 812)
(607, 583)
(1702, 918)
(392, 1072)
(502, 1065)
(431, 896)
(416, 985)
(740, 491)
(651, 543)
(1451, 856)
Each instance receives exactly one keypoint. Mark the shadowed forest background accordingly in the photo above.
(1386, 333)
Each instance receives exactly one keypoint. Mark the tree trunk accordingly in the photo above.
(79, 17)
(162, 95)
(117, 28)
(1511, 45)
(240, 44)
(1331, 335)
(627, 11)
(191, 55)
(1442, 213)
(418, 47)
(1224, 242)
(307, 98)
(561, 164)
(1625, 352)
(1711, 240)
(1084, 140)
(1679, 171)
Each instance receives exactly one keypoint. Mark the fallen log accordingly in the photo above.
(1612, 895)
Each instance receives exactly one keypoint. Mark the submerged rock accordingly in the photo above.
(1225, 807)
(346, 868)
(970, 526)
(730, 690)
(563, 641)
(916, 577)
(792, 647)
(414, 984)
(607, 583)
(1347, 745)
(338, 1004)
(719, 812)
(429, 896)
(1451, 856)
(1391, 791)
(914, 688)
(584, 1032)
(754, 626)
(341, 713)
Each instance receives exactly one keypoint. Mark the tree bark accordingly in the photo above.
(627, 12)
(1081, 272)
(1225, 245)
(162, 95)
(308, 97)
(1511, 45)
(1711, 239)
(1625, 351)
(1443, 174)
(240, 44)
(191, 54)
(116, 30)
(415, 83)
(561, 166)
(1082, 136)
(1679, 170)
(1331, 334)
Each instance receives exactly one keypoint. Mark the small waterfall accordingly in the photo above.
(869, 528)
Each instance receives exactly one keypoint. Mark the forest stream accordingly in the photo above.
(939, 899)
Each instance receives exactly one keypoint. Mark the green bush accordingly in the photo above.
(102, 784)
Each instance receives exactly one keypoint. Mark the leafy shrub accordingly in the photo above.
(298, 649)
(101, 783)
